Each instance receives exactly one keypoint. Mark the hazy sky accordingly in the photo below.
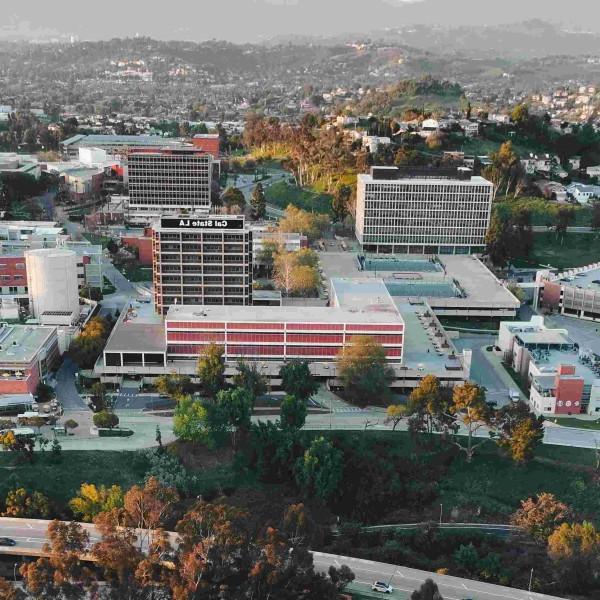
(253, 20)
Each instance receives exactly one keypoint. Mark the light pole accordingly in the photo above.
(530, 578)
(15, 571)
(441, 511)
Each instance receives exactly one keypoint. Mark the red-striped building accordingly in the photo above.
(280, 333)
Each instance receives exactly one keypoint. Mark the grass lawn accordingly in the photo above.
(281, 194)
(136, 272)
(571, 250)
(579, 423)
(61, 481)
(497, 485)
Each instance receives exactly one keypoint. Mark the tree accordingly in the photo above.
(105, 420)
(236, 406)
(258, 202)
(266, 255)
(428, 405)
(518, 431)
(91, 500)
(467, 558)
(541, 515)
(565, 215)
(22, 504)
(211, 368)
(297, 380)
(249, 377)
(8, 591)
(98, 398)
(394, 414)
(173, 385)
(20, 444)
(469, 406)
(363, 370)
(70, 424)
(44, 392)
(341, 201)
(296, 220)
(596, 216)
(306, 257)
(319, 471)
(575, 550)
(305, 280)
(520, 115)
(495, 240)
(428, 591)
(190, 421)
(233, 200)
(292, 412)
(89, 344)
(62, 574)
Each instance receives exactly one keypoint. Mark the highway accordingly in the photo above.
(30, 535)
(407, 580)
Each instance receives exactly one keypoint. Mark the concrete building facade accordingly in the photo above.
(202, 261)
(422, 211)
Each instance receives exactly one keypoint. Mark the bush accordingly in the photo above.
(105, 420)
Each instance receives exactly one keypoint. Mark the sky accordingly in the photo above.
(256, 20)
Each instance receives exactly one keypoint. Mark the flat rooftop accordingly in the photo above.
(21, 343)
(361, 294)
(374, 313)
(138, 329)
(422, 348)
(549, 337)
(587, 280)
(551, 360)
(479, 286)
(125, 140)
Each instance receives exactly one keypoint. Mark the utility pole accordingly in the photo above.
(441, 511)
(530, 579)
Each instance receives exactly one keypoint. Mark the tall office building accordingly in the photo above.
(422, 211)
(171, 180)
(205, 260)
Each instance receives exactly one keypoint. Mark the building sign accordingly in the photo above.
(203, 223)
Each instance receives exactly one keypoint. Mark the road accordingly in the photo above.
(30, 534)
(407, 580)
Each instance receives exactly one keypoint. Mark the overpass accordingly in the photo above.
(31, 535)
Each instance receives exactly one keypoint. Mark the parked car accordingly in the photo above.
(384, 588)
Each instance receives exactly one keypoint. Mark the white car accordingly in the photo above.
(384, 588)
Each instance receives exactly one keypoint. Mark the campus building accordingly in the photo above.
(27, 353)
(114, 144)
(573, 293)
(168, 181)
(563, 378)
(422, 211)
(145, 345)
(202, 261)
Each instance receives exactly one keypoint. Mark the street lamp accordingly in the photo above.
(15, 572)
(441, 511)
(530, 579)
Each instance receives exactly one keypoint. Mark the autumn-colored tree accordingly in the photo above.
(305, 280)
(297, 220)
(541, 515)
(258, 202)
(394, 414)
(575, 550)
(22, 504)
(428, 405)
(92, 500)
(211, 368)
(173, 385)
(62, 574)
(363, 370)
(518, 431)
(22, 445)
(306, 257)
(285, 263)
(8, 591)
(470, 408)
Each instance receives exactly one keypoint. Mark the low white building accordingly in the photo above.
(593, 171)
(582, 192)
(372, 142)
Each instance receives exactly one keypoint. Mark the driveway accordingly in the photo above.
(66, 391)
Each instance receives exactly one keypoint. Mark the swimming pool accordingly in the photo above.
(402, 265)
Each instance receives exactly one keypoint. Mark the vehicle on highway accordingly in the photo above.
(384, 588)
(4, 541)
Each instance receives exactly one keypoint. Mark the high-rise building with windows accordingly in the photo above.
(422, 211)
(202, 261)
(167, 181)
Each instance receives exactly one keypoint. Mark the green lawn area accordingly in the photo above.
(570, 250)
(495, 484)
(136, 272)
(100, 240)
(281, 194)
(579, 423)
(61, 481)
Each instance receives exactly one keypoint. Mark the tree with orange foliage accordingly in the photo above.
(541, 515)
